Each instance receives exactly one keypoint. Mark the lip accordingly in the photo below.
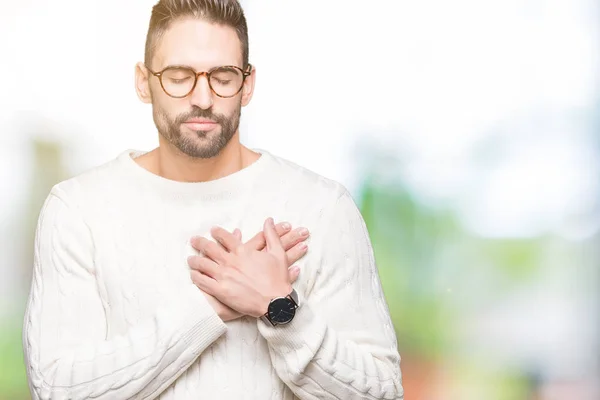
(200, 124)
(199, 121)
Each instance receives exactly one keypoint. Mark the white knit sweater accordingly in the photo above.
(113, 314)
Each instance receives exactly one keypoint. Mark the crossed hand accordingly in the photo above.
(242, 278)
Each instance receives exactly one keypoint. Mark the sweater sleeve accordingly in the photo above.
(67, 353)
(341, 343)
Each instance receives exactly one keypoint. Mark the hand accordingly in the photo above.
(292, 240)
(242, 278)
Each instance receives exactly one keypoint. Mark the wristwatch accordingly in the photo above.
(281, 309)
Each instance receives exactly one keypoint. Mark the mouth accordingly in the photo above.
(200, 124)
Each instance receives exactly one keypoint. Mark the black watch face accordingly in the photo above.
(282, 311)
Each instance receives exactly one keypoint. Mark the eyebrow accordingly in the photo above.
(226, 68)
(223, 67)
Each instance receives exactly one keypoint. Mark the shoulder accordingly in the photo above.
(94, 182)
(311, 184)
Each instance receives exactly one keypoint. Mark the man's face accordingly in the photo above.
(201, 124)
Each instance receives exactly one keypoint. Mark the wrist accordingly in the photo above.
(224, 312)
(229, 315)
(279, 293)
(266, 300)
(281, 309)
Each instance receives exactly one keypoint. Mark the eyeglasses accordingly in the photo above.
(179, 82)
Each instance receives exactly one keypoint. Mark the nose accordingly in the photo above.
(202, 95)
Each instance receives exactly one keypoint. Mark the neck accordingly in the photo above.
(170, 163)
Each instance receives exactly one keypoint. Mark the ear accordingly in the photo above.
(142, 83)
(248, 88)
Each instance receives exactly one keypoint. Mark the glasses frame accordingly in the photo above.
(245, 73)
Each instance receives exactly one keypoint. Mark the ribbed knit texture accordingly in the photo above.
(113, 314)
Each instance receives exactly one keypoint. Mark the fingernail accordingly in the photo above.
(271, 223)
(303, 232)
(303, 246)
(295, 269)
(286, 226)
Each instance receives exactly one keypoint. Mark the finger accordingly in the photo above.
(258, 242)
(294, 237)
(205, 283)
(296, 253)
(205, 265)
(210, 249)
(293, 273)
(282, 228)
(226, 239)
(238, 234)
(273, 240)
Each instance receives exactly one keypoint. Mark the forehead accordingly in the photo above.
(199, 44)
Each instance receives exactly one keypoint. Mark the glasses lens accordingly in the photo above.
(226, 81)
(178, 82)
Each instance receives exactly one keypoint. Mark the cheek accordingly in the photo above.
(162, 118)
(158, 111)
(165, 109)
(228, 108)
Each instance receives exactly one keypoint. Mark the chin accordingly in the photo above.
(200, 148)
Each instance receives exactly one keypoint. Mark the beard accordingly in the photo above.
(202, 144)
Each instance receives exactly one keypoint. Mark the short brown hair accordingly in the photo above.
(222, 12)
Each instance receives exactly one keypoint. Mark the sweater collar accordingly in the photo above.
(224, 187)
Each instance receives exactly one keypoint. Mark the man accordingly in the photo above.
(142, 286)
